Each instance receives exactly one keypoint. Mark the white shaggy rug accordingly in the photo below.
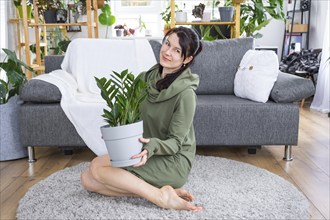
(226, 189)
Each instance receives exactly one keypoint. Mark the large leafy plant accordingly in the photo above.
(12, 66)
(123, 94)
(256, 14)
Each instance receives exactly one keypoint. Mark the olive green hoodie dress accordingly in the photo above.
(168, 122)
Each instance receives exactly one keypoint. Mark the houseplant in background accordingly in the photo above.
(166, 17)
(47, 9)
(256, 14)
(123, 94)
(10, 144)
(106, 18)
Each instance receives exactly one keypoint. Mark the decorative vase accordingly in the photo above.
(10, 133)
(226, 13)
(206, 16)
(122, 143)
(181, 16)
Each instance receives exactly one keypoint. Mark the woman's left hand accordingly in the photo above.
(144, 157)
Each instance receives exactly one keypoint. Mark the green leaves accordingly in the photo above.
(257, 14)
(123, 94)
(106, 18)
(15, 76)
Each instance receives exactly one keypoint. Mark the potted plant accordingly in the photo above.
(48, 8)
(119, 30)
(180, 16)
(18, 5)
(123, 94)
(166, 17)
(10, 145)
(226, 12)
(106, 18)
(198, 11)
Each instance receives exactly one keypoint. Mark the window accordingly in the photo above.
(134, 12)
(3, 25)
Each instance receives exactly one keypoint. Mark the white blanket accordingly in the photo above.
(85, 58)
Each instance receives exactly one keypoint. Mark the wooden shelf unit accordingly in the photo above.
(235, 25)
(92, 31)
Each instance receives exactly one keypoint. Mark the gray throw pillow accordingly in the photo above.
(291, 88)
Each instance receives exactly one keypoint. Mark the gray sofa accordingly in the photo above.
(221, 118)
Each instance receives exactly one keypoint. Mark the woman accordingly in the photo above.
(170, 146)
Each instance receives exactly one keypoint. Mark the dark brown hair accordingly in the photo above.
(190, 45)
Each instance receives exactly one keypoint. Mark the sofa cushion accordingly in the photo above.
(291, 88)
(40, 91)
(230, 120)
(217, 64)
(256, 75)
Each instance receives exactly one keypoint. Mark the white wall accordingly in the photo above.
(273, 33)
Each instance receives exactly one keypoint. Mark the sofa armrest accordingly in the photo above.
(291, 88)
(53, 62)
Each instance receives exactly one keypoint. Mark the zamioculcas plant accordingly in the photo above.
(123, 94)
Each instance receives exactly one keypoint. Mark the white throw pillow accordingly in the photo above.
(256, 75)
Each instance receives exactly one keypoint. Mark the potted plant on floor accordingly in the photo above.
(10, 145)
(123, 94)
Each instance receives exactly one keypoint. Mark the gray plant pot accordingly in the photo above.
(122, 143)
(226, 13)
(10, 133)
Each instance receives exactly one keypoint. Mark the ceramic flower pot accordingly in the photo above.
(122, 143)
(181, 16)
(226, 13)
(50, 16)
(10, 133)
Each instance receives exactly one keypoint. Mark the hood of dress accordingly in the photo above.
(184, 81)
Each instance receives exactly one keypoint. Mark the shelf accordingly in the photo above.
(234, 25)
(60, 24)
(38, 26)
(38, 68)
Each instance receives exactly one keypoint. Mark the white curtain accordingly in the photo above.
(321, 101)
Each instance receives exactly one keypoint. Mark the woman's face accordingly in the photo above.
(171, 54)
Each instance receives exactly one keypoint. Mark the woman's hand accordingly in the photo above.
(143, 154)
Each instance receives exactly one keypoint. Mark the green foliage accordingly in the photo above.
(106, 18)
(123, 94)
(256, 14)
(15, 75)
(166, 14)
(205, 32)
(18, 2)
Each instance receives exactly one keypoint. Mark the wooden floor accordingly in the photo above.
(309, 170)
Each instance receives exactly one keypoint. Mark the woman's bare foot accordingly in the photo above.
(171, 200)
(184, 194)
